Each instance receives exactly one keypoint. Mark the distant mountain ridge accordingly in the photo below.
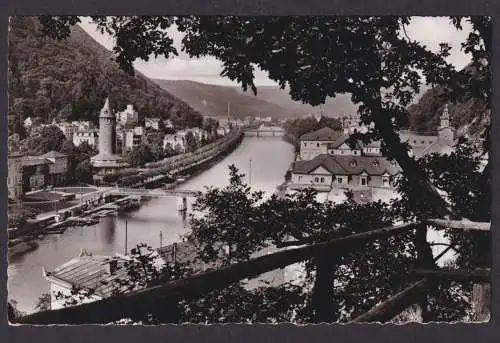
(271, 101)
(69, 79)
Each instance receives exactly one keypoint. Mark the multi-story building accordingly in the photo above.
(58, 167)
(127, 117)
(91, 136)
(152, 122)
(68, 129)
(131, 138)
(316, 143)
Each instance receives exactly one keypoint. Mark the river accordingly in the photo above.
(270, 158)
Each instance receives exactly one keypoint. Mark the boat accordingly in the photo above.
(22, 248)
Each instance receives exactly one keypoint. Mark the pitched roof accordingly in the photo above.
(54, 154)
(355, 165)
(344, 139)
(326, 161)
(91, 272)
(29, 161)
(323, 134)
(347, 165)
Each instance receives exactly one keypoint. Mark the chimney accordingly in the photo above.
(112, 266)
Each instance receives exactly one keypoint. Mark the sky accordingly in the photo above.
(428, 30)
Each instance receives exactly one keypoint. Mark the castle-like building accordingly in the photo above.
(107, 161)
(327, 159)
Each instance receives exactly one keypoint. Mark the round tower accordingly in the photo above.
(107, 130)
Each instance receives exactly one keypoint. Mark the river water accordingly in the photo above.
(270, 158)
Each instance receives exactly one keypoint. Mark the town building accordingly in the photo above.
(91, 136)
(152, 122)
(328, 158)
(68, 129)
(316, 143)
(14, 176)
(127, 117)
(175, 141)
(168, 124)
(131, 138)
(107, 161)
(104, 276)
(29, 173)
(325, 172)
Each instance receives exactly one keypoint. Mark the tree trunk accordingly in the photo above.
(481, 295)
(425, 259)
(322, 297)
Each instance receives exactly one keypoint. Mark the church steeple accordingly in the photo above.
(445, 118)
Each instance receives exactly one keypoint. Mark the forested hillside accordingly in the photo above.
(70, 79)
(469, 112)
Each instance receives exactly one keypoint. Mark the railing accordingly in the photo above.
(154, 192)
(427, 274)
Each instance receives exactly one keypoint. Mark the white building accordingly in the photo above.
(152, 122)
(129, 116)
(68, 129)
(316, 143)
(168, 124)
(91, 136)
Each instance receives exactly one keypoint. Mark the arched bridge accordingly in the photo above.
(157, 192)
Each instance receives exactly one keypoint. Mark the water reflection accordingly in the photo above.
(108, 229)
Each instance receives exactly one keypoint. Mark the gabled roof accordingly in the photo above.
(30, 161)
(53, 154)
(323, 134)
(326, 161)
(347, 165)
(343, 138)
(355, 165)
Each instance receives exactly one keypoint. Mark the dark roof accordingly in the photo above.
(347, 165)
(29, 161)
(53, 154)
(326, 161)
(323, 134)
(344, 139)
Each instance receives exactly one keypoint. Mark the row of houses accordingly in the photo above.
(329, 159)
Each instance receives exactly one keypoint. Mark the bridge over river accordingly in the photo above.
(180, 194)
(265, 131)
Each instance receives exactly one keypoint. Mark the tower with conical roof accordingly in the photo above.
(106, 161)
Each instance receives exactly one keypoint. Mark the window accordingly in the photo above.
(300, 177)
(363, 181)
(385, 181)
(423, 142)
(316, 179)
(317, 145)
(322, 180)
(375, 163)
(339, 179)
(414, 141)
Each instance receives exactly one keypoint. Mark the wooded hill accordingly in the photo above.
(470, 112)
(70, 79)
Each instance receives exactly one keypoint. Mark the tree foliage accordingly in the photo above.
(373, 60)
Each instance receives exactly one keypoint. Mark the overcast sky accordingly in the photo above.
(429, 30)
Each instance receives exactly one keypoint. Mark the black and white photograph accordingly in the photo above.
(249, 169)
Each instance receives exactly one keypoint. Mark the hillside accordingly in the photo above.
(213, 100)
(470, 112)
(69, 79)
(334, 107)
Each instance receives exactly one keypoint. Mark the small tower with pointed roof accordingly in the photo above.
(446, 132)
